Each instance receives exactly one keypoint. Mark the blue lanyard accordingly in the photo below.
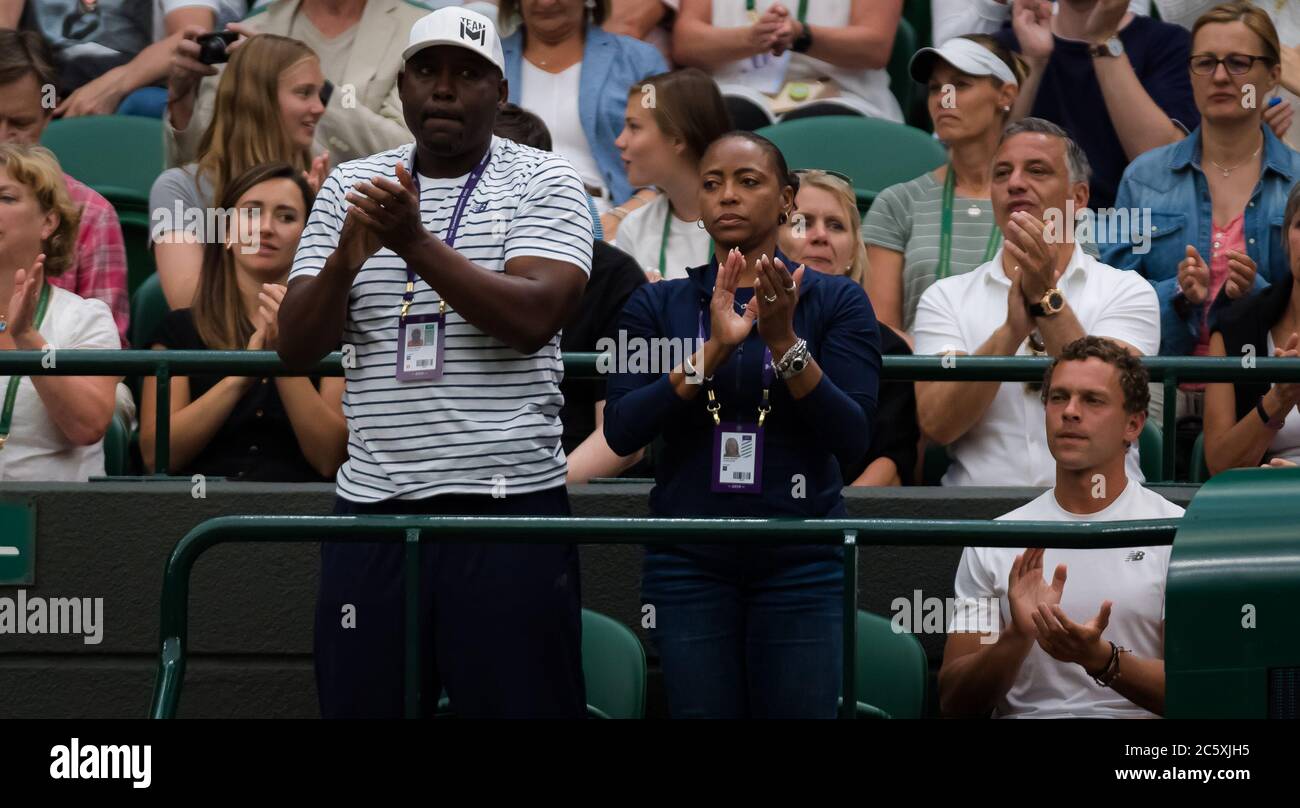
(452, 226)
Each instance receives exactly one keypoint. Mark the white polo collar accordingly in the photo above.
(1077, 266)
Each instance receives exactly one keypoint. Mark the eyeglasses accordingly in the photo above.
(1238, 64)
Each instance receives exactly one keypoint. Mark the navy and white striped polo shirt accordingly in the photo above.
(492, 422)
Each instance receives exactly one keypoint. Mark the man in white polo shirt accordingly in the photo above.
(1040, 292)
(1091, 642)
(446, 269)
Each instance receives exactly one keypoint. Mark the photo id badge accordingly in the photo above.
(420, 347)
(737, 458)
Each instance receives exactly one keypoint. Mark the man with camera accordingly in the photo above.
(353, 39)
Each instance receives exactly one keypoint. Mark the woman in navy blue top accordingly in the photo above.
(756, 422)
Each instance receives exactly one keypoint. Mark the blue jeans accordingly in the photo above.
(748, 632)
(148, 102)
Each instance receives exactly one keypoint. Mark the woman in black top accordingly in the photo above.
(283, 429)
(1252, 422)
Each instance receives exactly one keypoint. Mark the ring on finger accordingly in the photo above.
(770, 298)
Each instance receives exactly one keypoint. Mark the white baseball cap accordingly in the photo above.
(455, 25)
(969, 57)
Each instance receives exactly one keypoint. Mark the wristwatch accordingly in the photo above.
(1112, 47)
(1052, 303)
(802, 42)
(794, 361)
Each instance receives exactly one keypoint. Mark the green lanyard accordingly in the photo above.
(7, 415)
(945, 230)
(663, 244)
(753, 12)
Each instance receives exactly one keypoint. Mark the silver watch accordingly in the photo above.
(794, 361)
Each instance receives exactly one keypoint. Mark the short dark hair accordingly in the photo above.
(24, 52)
(518, 124)
(785, 178)
(1133, 376)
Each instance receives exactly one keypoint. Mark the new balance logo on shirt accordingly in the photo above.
(1135, 555)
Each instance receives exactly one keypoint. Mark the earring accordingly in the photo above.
(1006, 109)
(699, 223)
(590, 4)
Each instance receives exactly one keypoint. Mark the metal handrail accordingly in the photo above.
(1169, 370)
(414, 530)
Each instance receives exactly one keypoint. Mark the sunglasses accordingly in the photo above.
(799, 172)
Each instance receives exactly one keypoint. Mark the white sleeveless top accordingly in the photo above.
(864, 91)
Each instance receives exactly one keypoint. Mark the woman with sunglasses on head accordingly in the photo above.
(787, 365)
(941, 223)
(822, 234)
(1205, 213)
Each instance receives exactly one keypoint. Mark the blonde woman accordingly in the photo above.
(282, 429)
(51, 427)
(267, 107)
(823, 234)
(823, 230)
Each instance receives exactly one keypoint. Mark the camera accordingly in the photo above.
(212, 47)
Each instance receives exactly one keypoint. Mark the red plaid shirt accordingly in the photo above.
(99, 268)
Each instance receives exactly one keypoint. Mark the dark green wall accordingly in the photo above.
(251, 605)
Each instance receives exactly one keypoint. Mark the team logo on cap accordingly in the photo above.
(473, 31)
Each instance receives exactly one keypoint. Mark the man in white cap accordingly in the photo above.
(482, 246)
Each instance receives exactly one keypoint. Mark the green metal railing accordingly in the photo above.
(163, 365)
(413, 530)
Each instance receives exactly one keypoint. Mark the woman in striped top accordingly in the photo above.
(941, 223)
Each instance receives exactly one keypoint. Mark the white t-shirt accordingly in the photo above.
(553, 97)
(1132, 578)
(1286, 443)
(1008, 446)
(224, 11)
(864, 91)
(952, 18)
(494, 417)
(641, 235)
(37, 450)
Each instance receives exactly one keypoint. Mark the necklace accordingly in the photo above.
(1228, 170)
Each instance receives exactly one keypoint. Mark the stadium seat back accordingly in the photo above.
(1151, 452)
(1199, 471)
(117, 447)
(852, 145)
(613, 663)
(892, 670)
(148, 309)
(118, 155)
(900, 79)
(139, 251)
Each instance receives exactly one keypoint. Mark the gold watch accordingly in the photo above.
(1052, 303)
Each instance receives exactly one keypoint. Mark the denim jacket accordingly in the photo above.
(611, 64)
(1168, 185)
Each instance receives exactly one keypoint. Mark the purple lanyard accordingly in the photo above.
(769, 373)
(456, 212)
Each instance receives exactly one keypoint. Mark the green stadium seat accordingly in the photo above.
(852, 145)
(613, 664)
(1151, 452)
(148, 309)
(117, 447)
(118, 155)
(936, 464)
(917, 14)
(892, 671)
(900, 80)
(1199, 471)
(139, 249)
